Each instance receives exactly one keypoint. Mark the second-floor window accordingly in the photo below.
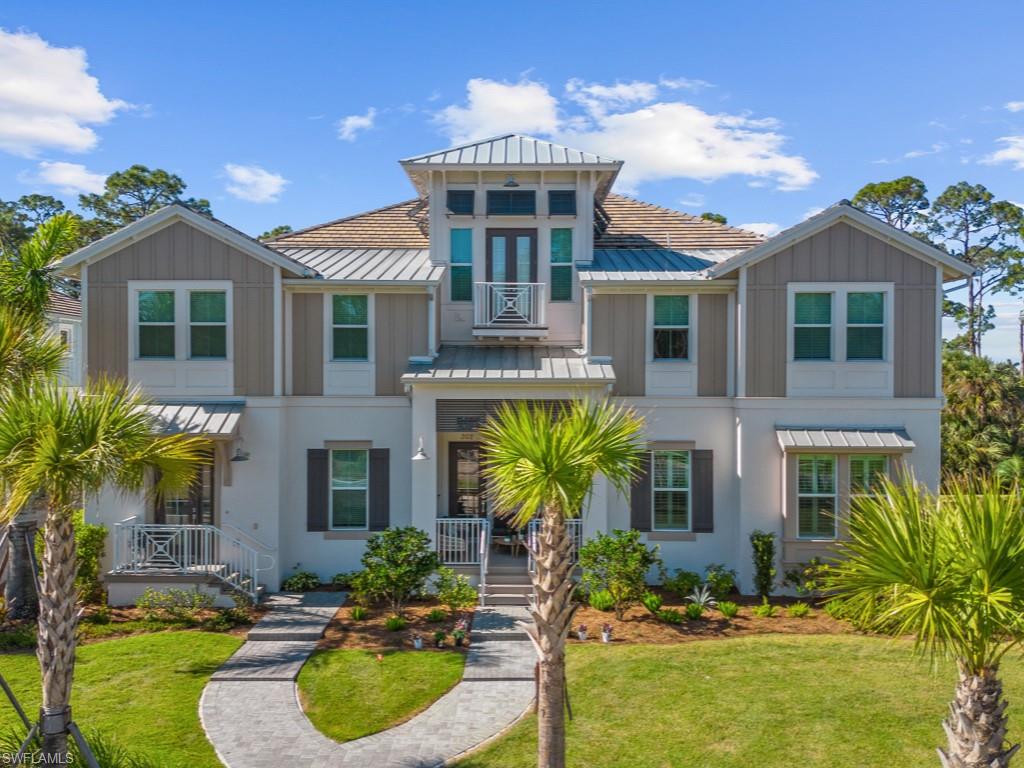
(207, 325)
(182, 323)
(349, 488)
(561, 264)
(812, 326)
(671, 328)
(816, 497)
(350, 327)
(562, 202)
(461, 269)
(865, 325)
(670, 490)
(460, 202)
(156, 325)
(511, 202)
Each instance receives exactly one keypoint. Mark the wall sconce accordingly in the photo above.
(420, 454)
(510, 181)
(240, 455)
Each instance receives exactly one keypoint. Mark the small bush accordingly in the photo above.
(21, 636)
(180, 604)
(728, 609)
(702, 597)
(618, 564)
(396, 566)
(652, 602)
(765, 610)
(721, 580)
(436, 615)
(359, 613)
(454, 590)
(90, 545)
(219, 622)
(395, 624)
(763, 545)
(343, 580)
(100, 616)
(670, 616)
(682, 583)
(835, 609)
(602, 600)
(694, 611)
(300, 581)
(798, 610)
(810, 578)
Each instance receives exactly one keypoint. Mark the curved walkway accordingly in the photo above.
(251, 713)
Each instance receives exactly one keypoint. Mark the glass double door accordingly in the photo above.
(511, 255)
(466, 493)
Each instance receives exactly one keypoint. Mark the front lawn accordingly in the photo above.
(772, 701)
(142, 692)
(348, 693)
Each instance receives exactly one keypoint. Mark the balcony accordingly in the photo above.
(510, 309)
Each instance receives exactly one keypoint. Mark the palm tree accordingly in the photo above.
(948, 570)
(28, 350)
(29, 276)
(540, 460)
(69, 446)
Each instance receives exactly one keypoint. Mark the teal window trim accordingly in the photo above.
(562, 277)
(460, 278)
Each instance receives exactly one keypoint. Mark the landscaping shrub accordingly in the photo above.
(395, 623)
(396, 566)
(720, 579)
(343, 580)
(359, 613)
(108, 753)
(90, 545)
(763, 545)
(454, 590)
(619, 564)
(798, 610)
(809, 578)
(670, 616)
(835, 608)
(702, 597)
(729, 610)
(436, 615)
(682, 583)
(602, 600)
(765, 610)
(652, 602)
(301, 581)
(21, 636)
(694, 611)
(184, 605)
(219, 622)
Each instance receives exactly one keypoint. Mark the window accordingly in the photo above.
(561, 265)
(511, 202)
(671, 327)
(349, 488)
(867, 473)
(812, 326)
(350, 321)
(462, 265)
(207, 325)
(671, 490)
(460, 202)
(816, 497)
(156, 324)
(865, 326)
(562, 202)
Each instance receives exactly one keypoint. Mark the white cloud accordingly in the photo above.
(692, 200)
(255, 184)
(70, 178)
(934, 149)
(684, 84)
(766, 228)
(1012, 152)
(47, 97)
(657, 139)
(350, 127)
(1015, 106)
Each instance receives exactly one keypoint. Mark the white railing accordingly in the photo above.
(512, 305)
(485, 556)
(186, 549)
(574, 528)
(462, 540)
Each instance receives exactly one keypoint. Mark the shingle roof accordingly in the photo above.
(844, 439)
(510, 149)
(636, 224)
(61, 304)
(210, 419)
(650, 264)
(370, 264)
(393, 226)
(460, 364)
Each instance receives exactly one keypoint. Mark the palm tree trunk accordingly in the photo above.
(976, 724)
(58, 619)
(552, 610)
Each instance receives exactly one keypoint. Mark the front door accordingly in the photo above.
(511, 255)
(192, 506)
(465, 483)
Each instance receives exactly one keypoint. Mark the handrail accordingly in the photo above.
(574, 527)
(258, 543)
(485, 556)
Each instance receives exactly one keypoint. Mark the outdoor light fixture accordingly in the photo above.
(240, 455)
(420, 454)
(510, 181)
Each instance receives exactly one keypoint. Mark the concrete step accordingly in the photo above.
(506, 599)
(508, 576)
(495, 622)
(509, 588)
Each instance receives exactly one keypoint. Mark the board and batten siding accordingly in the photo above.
(400, 333)
(712, 344)
(307, 344)
(181, 252)
(841, 253)
(619, 327)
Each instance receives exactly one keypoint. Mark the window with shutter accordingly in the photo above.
(671, 490)
(562, 202)
(460, 202)
(505, 202)
(462, 265)
(816, 497)
(561, 264)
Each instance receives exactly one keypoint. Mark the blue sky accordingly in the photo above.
(761, 111)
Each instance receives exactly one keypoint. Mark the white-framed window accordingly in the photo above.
(670, 490)
(671, 328)
(156, 325)
(865, 325)
(350, 488)
(207, 325)
(350, 327)
(179, 320)
(867, 471)
(812, 326)
(840, 322)
(816, 496)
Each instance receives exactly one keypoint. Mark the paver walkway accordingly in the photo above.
(251, 712)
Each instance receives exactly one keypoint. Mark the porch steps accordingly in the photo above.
(508, 587)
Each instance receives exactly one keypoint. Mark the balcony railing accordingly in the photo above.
(509, 305)
(574, 527)
(461, 540)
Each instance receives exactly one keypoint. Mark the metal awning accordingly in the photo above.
(214, 420)
(502, 365)
(845, 439)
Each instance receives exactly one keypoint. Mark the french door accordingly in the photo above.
(511, 255)
(465, 481)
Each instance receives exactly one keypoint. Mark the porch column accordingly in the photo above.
(424, 472)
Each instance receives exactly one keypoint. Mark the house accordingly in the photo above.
(64, 316)
(342, 371)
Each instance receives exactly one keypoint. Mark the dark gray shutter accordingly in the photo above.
(640, 496)
(316, 489)
(380, 488)
(703, 492)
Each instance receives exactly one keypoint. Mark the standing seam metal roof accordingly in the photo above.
(510, 149)
(370, 264)
(210, 419)
(654, 264)
(844, 438)
(460, 364)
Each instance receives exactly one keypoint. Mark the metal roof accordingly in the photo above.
(61, 304)
(209, 419)
(844, 439)
(510, 149)
(650, 264)
(370, 264)
(461, 364)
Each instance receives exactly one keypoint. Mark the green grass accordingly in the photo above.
(141, 691)
(347, 693)
(767, 701)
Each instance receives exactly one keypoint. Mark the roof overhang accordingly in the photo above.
(803, 439)
(217, 421)
(953, 268)
(170, 214)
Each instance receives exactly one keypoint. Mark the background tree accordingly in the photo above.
(270, 234)
(899, 202)
(136, 192)
(28, 274)
(540, 462)
(716, 217)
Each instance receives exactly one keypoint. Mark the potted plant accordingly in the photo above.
(606, 633)
(417, 641)
(459, 633)
(581, 631)
(439, 637)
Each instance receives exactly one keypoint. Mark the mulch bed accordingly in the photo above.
(345, 632)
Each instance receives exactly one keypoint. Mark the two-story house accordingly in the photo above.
(343, 371)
